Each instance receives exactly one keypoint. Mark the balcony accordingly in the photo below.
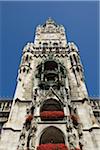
(50, 146)
(52, 115)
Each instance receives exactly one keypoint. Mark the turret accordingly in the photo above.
(75, 69)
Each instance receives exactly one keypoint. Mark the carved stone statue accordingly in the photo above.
(32, 140)
(72, 136)
(81, 142)
(21, 145)
(33, 134)
(72, 140)
(34, 124)
(79, 129)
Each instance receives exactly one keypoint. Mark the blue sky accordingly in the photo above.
(17, 27)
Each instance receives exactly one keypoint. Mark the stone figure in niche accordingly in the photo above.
(80, 131)
(35, 94)
(74, 116)
(72, 136)
(80, 134)
(33, 134)
(34, 124)
(27, 124)
(72, 140)
(81, 142)
(69, 125)
(23, 136)
(21, 145)
(32, 139)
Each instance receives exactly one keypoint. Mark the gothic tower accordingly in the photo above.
(51, 108)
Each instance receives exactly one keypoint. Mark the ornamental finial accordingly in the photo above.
(50, 21)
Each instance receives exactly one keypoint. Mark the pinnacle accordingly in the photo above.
(50, 21)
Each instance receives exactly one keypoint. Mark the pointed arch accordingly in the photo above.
(51, 110)
(52, 135)
(51, 104)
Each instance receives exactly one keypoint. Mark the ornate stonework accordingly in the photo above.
(51, 108)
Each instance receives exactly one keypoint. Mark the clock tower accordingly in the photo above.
(51, 108)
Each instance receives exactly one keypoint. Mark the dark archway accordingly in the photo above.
(51, 105)
(51, 110)
(50, 65)
(52, 135)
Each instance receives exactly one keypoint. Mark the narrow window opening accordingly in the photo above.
(75, 58)
(24, 69)
(71, 60)
(27, 58)
(77, 69)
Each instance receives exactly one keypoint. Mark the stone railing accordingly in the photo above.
(95, 103)
(5, 105)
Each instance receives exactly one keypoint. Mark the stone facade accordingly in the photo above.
(51, 106)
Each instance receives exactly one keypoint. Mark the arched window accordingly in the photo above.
(45, 45)
(52, 135)
(51, 105)
(55, 44)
